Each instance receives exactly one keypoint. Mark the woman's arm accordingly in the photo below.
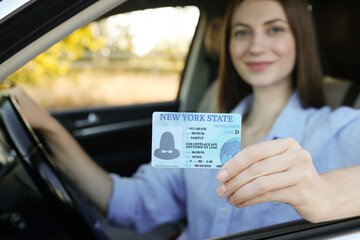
(92, 179)
(281, 171)
(344, 190)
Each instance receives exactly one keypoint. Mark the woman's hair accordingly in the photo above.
(307, 75)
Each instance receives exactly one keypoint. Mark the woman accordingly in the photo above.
(265, 52)
(270, 51)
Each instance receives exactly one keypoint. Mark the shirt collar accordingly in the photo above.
(290, 122)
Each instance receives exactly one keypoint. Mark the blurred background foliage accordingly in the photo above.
(57, 60)
(113, 61)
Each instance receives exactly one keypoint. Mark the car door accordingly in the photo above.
(118, 138)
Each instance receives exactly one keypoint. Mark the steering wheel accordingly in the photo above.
(63, 196)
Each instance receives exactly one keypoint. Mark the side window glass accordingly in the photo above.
(125, 59)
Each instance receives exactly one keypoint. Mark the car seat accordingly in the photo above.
(212, 43)
(339, 34)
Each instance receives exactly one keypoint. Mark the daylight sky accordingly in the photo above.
(8, 6)
(148, 27)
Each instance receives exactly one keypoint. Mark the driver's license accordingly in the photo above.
(194, 140)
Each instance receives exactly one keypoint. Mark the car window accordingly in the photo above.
(124, 59)
(9, 7)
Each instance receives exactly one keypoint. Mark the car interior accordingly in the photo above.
(36, 196)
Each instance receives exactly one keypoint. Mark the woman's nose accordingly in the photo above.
(258, 44)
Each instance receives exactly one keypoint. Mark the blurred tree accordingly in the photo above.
(117, 34)
(57, 59)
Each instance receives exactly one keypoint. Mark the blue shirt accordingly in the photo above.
(155, 195)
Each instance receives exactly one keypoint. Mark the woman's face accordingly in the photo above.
(262, 46)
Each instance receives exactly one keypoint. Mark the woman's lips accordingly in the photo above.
(259, 66)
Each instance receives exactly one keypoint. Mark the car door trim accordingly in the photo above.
(108, 128)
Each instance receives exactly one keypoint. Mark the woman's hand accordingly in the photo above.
(37, 116)
(278, 171)
(92, 179)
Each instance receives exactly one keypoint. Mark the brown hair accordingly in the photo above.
(307, 73)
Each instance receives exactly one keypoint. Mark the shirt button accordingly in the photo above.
(224, 210)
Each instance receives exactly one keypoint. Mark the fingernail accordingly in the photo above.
(222, 175)
(230, 200)
(221, 191)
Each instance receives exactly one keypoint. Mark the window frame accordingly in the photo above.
(16, 35)
(299, 229)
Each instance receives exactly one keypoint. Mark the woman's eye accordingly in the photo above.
(275, 30)
(241, 33)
